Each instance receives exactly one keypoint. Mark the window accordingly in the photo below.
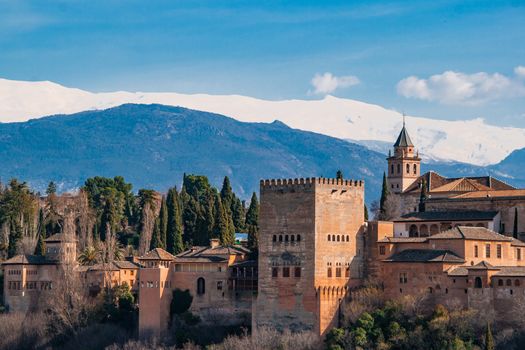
(329, 272)
(517, 283)
(275, 272)
(382, 250)
(333, 238)
(475, 251)
(338, 238)
(337, 272)
(487, 251)
(508, 282)
(408, 168)
(292, 238)
(392, 169)
(347, 272)
(477, 282)
(403, 278)
(286, 272)
(329, 238)
(297, 271)
(274, 238)
(219, 285)
(280, 238)
(286, 238)
(298, 238)
(518, 253)
(347, 238)
(132, 273)
(498, 251)
(201, 286)
(415, 169)
(500, 283)
(399, 168)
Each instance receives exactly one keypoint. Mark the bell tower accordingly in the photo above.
(404, 164)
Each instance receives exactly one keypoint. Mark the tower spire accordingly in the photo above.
(404, 119)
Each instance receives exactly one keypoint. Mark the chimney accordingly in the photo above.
(214, 242)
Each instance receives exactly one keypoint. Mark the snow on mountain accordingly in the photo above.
(469, 141)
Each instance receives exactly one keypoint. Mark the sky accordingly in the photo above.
(439, 59)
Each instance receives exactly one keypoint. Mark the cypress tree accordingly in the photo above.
(15, 235)
(238, 215)
(163, 222)
(366, 213)
(489, 339)
(423, 195)
(222, 229)
(155, 237)
(515, 228)
(384, 195)
(339, 175)
(174, 243)
(51, 188)
(226, 193)
(252, 222)
(40, 248)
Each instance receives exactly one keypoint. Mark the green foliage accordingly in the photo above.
(489, 339)
(163, 222)
(515, 227)
(335, 339)
(423, 196)
(51, 188)
(119, 306)
(174, 243)
(252, 222)
(40, 248)
(15, 235)
(89, 256)
(385, 192)
(366, 213)
(238, 215)
(223, 224)
(155, 238)
(339, 175)
(180, 302)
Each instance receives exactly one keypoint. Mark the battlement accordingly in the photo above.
(269, 183)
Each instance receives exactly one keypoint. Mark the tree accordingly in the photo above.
(40, 248)
(384, 195)
(423, 195)
(89, 256)
(226, 192)
(252, 222)
(155, 237)
(366, 213)
(238, 215)
(223, 225)
(181, 301)
(51, 189)
(339, 175)
(163, 222)
(174, 243)
(515, 228)
(489, 339)
(15, 235)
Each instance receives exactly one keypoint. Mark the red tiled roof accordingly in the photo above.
(157, 254)
(471, 233)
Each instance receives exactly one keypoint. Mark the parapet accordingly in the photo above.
(271, 183)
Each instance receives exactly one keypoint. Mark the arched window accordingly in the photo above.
(333, 238)
(286, 238)
(201, 286)
(280, 238)
(517, 283)
(329, 238)
(408, 168)
(412, 232)
(274, 238)
(347, 238)
(292, 238)
(338, 238)
(329, 272)
(392, 169)
(423, 231)
(508, 282)
(477, 282)
(415, 169)
(500, 282)
(434, 229)
(298, 238)
(399, 168)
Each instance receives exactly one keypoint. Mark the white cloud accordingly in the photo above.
(520, 71)
(328, 83)
(456, 88)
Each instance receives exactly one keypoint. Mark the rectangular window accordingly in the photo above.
(487, 251)
(286, 272)
(476, 253)
(347, 272)
(297, 272)
(498, 251)
(382, 250)
(219, 285)
(403, 278)
(337, 272)
(275, 272)
(329, 272)
(518, 253)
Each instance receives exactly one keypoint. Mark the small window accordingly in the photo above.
(347, 272)
(329, 238)
(286, 238)
(516, 283)
(338, 238)
(508, 282)
(392, 169)
(476, 253)
(298, 238)
(337, 272)
(415, 169)
(382, 250)
(408, 168)
(275, 272)
(498, 251)
(403, 278)
(399, 168)
(518, 253)
(274, 238)
(329, 272)
(280, 238)
(286, 272)
(500, 283)
(333, 238)
(292, 238)
(219, 285)
(201, 286)
(487, 251)
(297, 271)
(347, 238)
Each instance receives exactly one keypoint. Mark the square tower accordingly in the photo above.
(404, 167)
(310, 251)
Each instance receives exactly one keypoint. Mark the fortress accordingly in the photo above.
(454, 241)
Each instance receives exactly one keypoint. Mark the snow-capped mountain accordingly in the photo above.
(469, 141)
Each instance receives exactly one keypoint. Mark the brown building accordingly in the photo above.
(310, 251)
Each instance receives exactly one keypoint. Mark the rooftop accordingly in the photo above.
(403, 240)
(157, 254)
(471, 233)
(27, 260)
(403, 140)
(426, 256)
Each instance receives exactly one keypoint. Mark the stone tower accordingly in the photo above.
(310, 251)
(404, 165)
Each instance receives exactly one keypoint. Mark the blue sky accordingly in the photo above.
(440, 59)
